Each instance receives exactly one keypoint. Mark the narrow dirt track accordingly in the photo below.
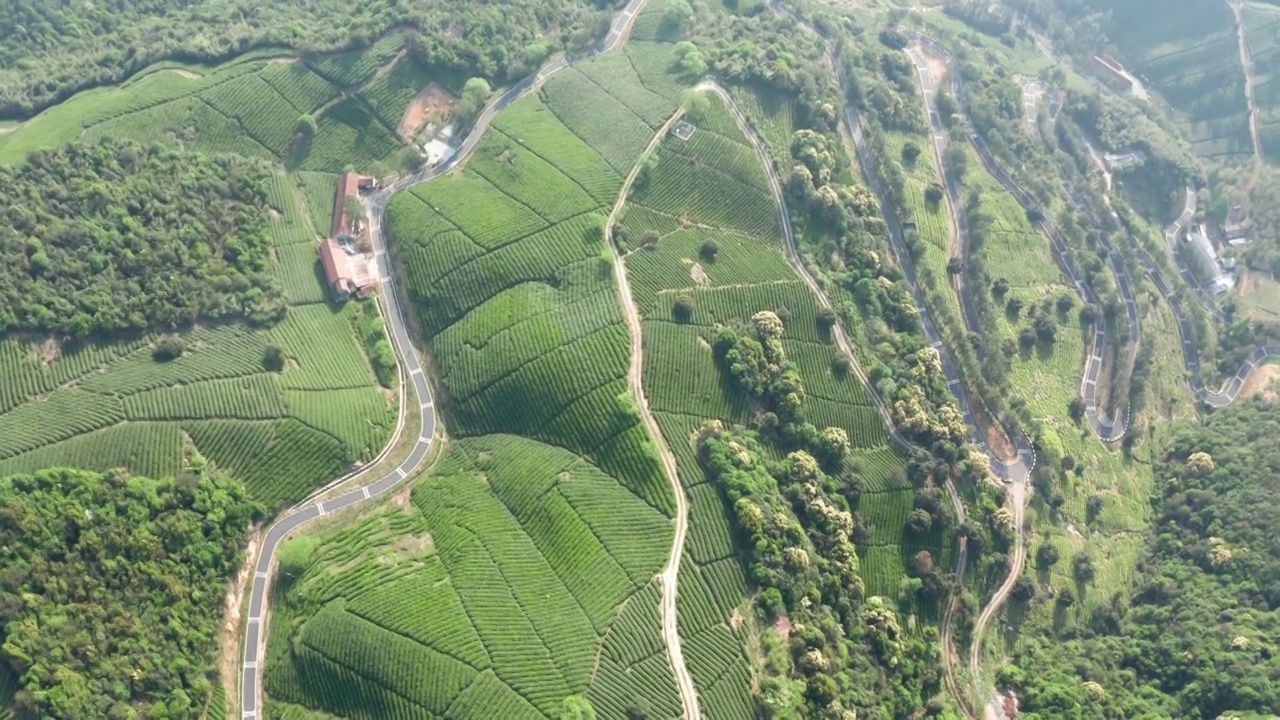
(1246, 64)
(635, 378)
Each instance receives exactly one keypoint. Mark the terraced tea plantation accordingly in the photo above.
(1189, 53)
(250, 106)
(283, 431)
(1263, 36)
(521, 570)
(694, 267)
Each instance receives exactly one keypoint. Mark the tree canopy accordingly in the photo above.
(108, 598)
(1193, 638)
(116, 236)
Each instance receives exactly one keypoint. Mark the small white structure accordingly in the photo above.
(1206, 261)
(1120, 161)
(440, 147)
(683, 130)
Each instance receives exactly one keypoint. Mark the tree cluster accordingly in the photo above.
(110, 599)
(116, 237)
(847, 656)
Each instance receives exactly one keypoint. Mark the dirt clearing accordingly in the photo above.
(1260, 382)
(432, 103)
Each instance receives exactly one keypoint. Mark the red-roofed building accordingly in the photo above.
(349, 185)
(337, 269)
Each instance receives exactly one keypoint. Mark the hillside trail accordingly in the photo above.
(1015, 473)
(635, 378)
(1246, 64)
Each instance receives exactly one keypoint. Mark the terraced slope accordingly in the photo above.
(249, 106)
(1188, 52)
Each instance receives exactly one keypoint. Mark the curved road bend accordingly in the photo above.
(410, 363)
(1107, 429)
(1019, 468)
(1230, 389)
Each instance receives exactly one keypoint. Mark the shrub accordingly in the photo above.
(919, 521)
(273, 358)
(1046, 556)
(169, 347)
(683, 309)
(710, 250)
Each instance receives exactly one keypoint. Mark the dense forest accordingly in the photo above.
(108, 598)
(1195, 636)
(115, 236)
(49, 50)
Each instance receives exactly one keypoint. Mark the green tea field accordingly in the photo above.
(529, 552)
(251, 106)
(1263, 36)
(1188, 53)
(282, 430)
(670, 221)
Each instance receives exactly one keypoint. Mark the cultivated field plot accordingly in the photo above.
(249, 106)
(932, 222)
(486, 592)
(1046, 376)
(101, 405)
(539, 535)
(1188, 53)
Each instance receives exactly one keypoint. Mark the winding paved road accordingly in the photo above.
(255, 637)
(1108, 429)
(1016, 473)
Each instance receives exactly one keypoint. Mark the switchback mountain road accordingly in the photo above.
(1016, 473)
(255, 636)
(1106, 429)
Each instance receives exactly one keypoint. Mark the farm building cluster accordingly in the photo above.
(345, 255)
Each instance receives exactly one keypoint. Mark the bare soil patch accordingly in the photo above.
(186, 74)
(937, 69)
(1262, 382)
(402, 500)
(735, 621)
(432, 103)
(782, 626)
(229, 635)
(699, 274)
(46, 351)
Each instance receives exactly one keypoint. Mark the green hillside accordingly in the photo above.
(540, 531)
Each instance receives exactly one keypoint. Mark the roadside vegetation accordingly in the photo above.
(1192, 606)
(56, 51)
(75, 650)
